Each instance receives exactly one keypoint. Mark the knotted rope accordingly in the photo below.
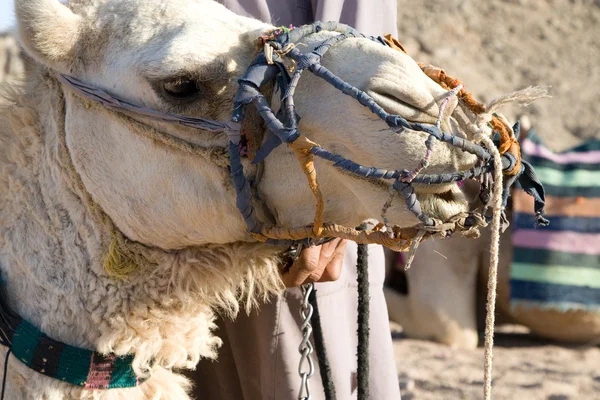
(302, 147)
(508, 142)
(402, 184)
(490, 318)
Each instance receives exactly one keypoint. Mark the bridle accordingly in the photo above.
(272, 65)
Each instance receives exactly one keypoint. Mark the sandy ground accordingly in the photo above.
(494, 48)
(525, 368)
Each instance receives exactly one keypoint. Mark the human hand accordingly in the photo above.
(316, 264)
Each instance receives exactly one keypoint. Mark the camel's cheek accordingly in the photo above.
(154, 194)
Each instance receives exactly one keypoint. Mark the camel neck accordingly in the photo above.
(52, 248)
(53, 251)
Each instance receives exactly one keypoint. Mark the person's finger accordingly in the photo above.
(312, 262)
(334, 267)
(329, 249)
(305, 266)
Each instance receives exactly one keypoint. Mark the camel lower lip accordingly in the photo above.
(446, 196)
(443, 205)
(441, 202)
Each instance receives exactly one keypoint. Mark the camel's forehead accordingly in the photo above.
(157, 12)
(165, 35)
(139, 22)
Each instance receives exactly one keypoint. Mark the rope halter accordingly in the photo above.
(272, 64)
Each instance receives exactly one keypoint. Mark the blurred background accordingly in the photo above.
(546, 348)
(6, 15)
(495, 47)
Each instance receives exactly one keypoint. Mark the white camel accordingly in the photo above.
(83, 188)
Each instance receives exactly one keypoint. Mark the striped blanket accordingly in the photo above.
(558, 266)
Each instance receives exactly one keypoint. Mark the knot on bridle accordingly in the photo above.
(269, 49)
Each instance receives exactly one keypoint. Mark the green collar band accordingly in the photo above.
(74, 365)
(70, 364)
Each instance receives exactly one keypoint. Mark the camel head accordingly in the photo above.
(184, 57)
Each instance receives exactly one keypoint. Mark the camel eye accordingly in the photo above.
(181, 88)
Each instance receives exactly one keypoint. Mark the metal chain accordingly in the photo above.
(306, 348)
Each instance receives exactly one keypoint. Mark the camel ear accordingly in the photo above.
(48, 30)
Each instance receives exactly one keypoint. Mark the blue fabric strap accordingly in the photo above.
(282, 127)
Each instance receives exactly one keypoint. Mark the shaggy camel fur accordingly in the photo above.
(78, 183)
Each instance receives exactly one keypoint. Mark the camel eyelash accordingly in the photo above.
(184, 88)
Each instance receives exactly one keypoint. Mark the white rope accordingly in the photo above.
(523, 97)
(449, 94)
(490, 318)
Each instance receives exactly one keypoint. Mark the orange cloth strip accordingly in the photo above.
(302, 147)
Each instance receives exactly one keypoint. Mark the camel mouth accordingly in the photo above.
(444, 202)
(441, 202)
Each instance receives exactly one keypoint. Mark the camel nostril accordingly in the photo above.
(396, 106)
(417, 99)
(411, 104)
